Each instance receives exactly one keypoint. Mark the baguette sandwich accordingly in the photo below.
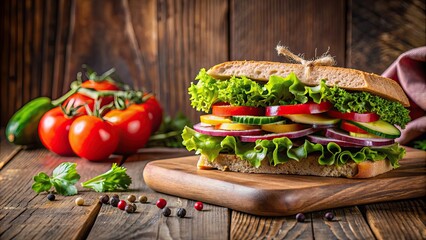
(282, 118)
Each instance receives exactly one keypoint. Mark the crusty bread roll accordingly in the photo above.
(349, 79)
(307, 166)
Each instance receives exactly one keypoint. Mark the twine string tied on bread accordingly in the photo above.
(325, 60)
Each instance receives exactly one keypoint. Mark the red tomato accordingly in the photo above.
(93, 138)
(305, 108)
(134, 128)
(100, 85)
(53, 130)
(154, 109)
(228, 110)
(352, 116)
(77, 100)
(351, 128)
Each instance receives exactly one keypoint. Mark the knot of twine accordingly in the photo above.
(325, 60)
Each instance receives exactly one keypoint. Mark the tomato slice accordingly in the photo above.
(282, 128)
(228, 110)
(305, 108)
(352, 116)
(351, 128)
(214, 120)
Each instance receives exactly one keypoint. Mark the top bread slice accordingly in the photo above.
(345, 78)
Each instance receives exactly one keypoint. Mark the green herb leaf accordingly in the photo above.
(41, 183)
(114, 179)
(63, 179)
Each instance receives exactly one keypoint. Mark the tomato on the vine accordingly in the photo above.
(53, 131)
(93, 138)
(79, 100)
(100, 85)
(154, 109)
(134, 127)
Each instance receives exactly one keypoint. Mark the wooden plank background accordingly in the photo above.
(160, 45)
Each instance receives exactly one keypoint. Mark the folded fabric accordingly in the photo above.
(410, 71)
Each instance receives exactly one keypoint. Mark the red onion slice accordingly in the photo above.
(333, 133)
(325, 140)
(209, 130)
(295, 134)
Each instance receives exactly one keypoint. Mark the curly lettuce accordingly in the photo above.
(282, 150)
(242, 91)
(361, 102)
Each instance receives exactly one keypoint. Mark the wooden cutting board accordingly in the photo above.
(280, 195)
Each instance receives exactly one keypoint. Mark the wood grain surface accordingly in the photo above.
(148, 221)
(160, 45)
(379, 31)
(24, 213)
(280, 195)
(409, 216)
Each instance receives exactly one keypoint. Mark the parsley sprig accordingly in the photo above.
(114, 179)
(63, 179)
(65, 176)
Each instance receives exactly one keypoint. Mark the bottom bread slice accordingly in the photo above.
(307, 166)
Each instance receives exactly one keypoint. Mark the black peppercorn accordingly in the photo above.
(300, 217)
(329, 216)
(114, 201)
(167, 211)
(116, 196)
(181, 212)
(104, 199)
(130, 208)
(51, 197)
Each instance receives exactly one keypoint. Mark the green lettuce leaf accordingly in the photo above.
(282, 150)
(361, 102)
(242, 91)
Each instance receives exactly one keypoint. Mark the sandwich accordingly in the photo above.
(303, 119)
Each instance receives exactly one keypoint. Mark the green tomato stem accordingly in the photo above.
(60, 100)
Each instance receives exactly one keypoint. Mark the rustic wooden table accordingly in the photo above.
(26, 215)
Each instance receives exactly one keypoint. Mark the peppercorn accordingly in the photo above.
(51, 197)
(300, 217)
(161, 203)
(167, 212)
(121, 204)
(116, 196)
(104, 199)
(198, 206)
(181, 212)
(131, 198)
(329, 216)
(143, 199)
(114, 201)
(130, 208)
(79, 201)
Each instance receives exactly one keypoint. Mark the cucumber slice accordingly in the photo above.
(315, 119)
(379, 128)
(256, 120)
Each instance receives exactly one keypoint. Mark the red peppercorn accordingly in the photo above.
(161, 203)
(122, 205)
(199, 206)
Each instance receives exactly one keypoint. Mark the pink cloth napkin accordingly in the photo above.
(410, 71)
